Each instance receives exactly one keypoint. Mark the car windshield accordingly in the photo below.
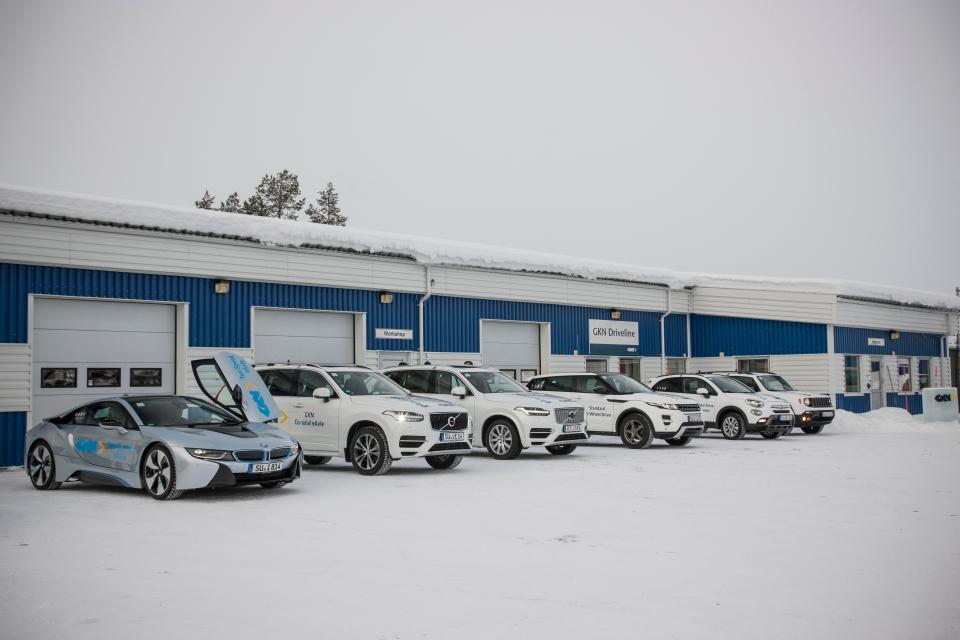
(366, 383)
(624, 384)
(775, 383)
(729, 385)
(493, 382)
(178, 411)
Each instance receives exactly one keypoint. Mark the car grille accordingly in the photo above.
(819, 402)
(540, 433)
(689, 408)
(250, 456)
(450, 446)
(277, 454)
(780, 408)
(563, 415)
(442, 422)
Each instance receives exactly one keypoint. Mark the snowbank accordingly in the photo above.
(888, 420)
(433, 251)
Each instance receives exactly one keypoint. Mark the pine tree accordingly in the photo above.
(327, 209)
(279, 194)
(232, 203)
(206, 202)
(254, 206)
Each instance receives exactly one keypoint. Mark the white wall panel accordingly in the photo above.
(567, 364)
(768, 303)
(15, 377)
(809, 373)
(711, 364)
(853, 313)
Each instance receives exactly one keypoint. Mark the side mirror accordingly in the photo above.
(323, 393)
(702, 391)
(237, 396)
(459, 391)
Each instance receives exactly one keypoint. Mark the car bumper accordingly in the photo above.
(815, 417)
(420, 444)
(775, 423)
(239, 473)
(687, 429)
(555, 434)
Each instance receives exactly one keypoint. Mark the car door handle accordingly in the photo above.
(298, 405)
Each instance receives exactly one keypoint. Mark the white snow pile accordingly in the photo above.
(430, 251)
(889, 420)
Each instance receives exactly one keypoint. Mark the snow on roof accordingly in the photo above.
(428, 251)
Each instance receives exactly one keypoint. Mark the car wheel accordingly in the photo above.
(317, 459)
(369, 452)
(562, 449)
(636, 431)
(502, 440)
(732, 427)
(772, 436)
(444, 462)
(158, 474)
(812, 429)
(273, 485)
(682, 441)
(41, 467)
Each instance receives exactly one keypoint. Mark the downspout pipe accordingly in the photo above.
(663, 334)
(423, 299)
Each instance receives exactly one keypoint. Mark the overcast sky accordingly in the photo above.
(774, 138)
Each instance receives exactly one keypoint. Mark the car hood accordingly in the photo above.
(248, 435)
(651, 397)
(405, 403)
(793, 396)
(539, 400)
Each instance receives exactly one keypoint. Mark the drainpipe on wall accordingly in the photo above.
(663, 333)
(423, 299)
(689, 323)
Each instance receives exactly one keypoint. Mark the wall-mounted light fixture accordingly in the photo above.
(221, 286)
(894, 334)
(386, 297)
(614, 314)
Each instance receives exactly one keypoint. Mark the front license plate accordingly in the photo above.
(451, 436)
(827, 414)
(572, 428)
(264, 467)
(693, 418)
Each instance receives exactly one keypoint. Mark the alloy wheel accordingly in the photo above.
(633, 431)
(730, 426)
(366, 451)
(157, 472)
(501, 440)
(41, 464)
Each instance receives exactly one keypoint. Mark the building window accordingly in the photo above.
(851, 374)
(146, 377)
(675, 366)
(596, 365)
(923, 367)
(753, 365)
(58, 378)
(631, 367)
(904, 378)
(105, 377)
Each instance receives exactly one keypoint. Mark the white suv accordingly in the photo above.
(729, 405)
(618, 405)
(508, 417)
(812, 411)
(358, 414)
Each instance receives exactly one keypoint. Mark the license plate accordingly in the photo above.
(451, 436)
(693, 418)
(572, 428)
(264, 467)
(827, 414)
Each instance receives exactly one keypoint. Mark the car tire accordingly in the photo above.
(317, 459)
(562, 449)
(42, 467)
(636, 431)
(772, 436)
(502, 440)
(158, 473)
(369, 452)
(812, 429)
(277, 484)
(732, 426)
(444, 462)
(682, 441)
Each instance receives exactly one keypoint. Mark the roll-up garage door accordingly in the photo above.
(512, 347)
(303, 336)
(87, 349)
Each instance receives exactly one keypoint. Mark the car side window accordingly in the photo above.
(589, 384)
(108, 412)
(309, 381)
(445, 382)
(536, 385)
(416, 381)
(280, 382)
(747, 380)
(690, 385)
(669, 385)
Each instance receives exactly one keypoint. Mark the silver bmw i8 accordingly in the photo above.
(167, 444)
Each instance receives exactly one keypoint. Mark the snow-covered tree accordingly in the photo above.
(232, 203)
(327, 209)
(206, 202)
(254, 206)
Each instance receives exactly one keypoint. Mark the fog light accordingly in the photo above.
(762, 421)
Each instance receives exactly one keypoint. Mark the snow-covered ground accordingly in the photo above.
(854, 533)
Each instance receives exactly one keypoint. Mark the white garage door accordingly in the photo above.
(303, 336)
(85, 349)
(512, 347)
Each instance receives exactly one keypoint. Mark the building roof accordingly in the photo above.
(425, 250)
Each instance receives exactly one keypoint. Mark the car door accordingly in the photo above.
(442, 383)
(106, 436)
(318, 419)
(688, 389)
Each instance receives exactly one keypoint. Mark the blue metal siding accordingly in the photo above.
(13, 430)
(713, 335)
(453, 324)
(912, 402)
(854, 340)
(856, 404)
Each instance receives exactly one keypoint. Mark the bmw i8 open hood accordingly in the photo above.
(230, 381)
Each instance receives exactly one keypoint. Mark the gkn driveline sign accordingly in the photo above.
(614, 337)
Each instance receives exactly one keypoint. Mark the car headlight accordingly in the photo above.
(210, 454)
(662, 405)
(805, 401)
(295, 448)
(404, 416)
(754, 403)
(532, 411)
